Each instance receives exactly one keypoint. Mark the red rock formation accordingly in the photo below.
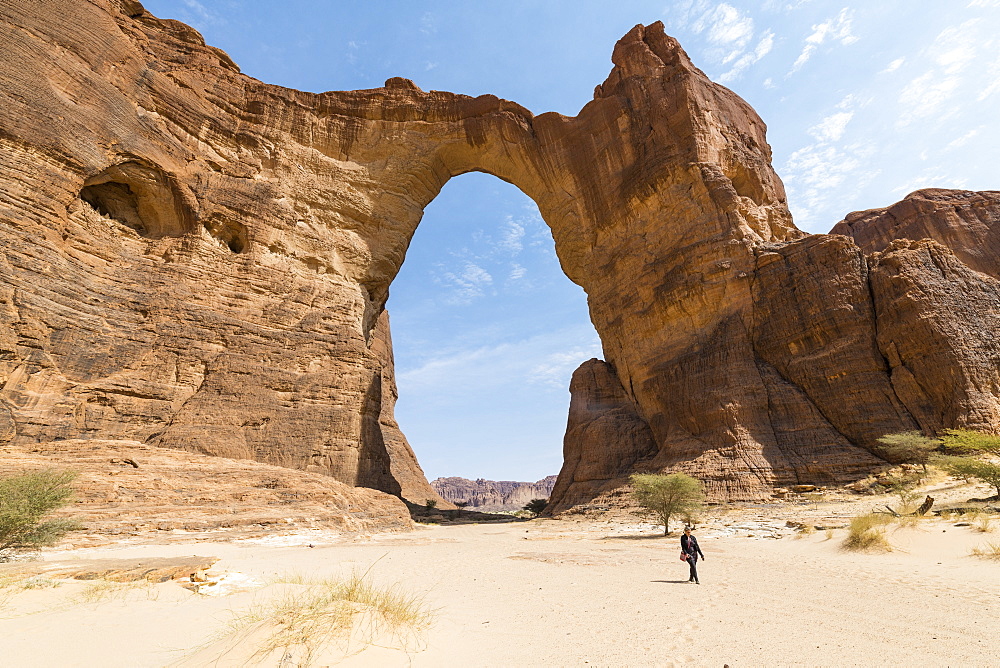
(198, 260)
(129, 488)
(966, 222)
(493, 495)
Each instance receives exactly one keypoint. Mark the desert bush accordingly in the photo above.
(972, 468)
(317, 613)
(908, 447)
(983, 524)
(665, 496)
(25, 499)
(460, 506)
(988, 551)
(867, 533)
(965, 441)
(536, 506)
(430, 504)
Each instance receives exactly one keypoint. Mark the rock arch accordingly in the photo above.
(736, 347)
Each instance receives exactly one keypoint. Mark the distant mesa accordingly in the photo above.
(493, 495)
(193, 259)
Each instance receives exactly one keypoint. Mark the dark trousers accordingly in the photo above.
(693, 565)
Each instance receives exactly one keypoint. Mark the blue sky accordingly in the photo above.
(864, 101)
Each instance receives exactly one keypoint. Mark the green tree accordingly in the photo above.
(908, 447)
(25, 499)
(664, 496)
(966, 441)
(460, 505)
(970, 467)
(430, 504)
(536, 506)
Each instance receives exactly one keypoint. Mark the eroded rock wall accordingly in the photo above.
(194, 259)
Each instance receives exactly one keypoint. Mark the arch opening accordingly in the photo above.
(487, 330)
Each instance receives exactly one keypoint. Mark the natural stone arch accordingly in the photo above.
(737, 348)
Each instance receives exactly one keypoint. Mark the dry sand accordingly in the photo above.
(560, 593)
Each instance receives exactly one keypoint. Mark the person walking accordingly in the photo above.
(690, 547)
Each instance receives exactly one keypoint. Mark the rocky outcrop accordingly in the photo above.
(493, 495)
(197, 260)
(125, 488)
(967, 222)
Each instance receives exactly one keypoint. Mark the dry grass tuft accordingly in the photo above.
(317, 613)
(988, 551)
(867, 534)
(99, 591)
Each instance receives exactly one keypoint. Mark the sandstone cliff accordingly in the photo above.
(197, 260)
(493, 495)
(966, 222)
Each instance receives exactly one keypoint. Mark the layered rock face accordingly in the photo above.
(966, 222)
(493, 495)
(197, 260)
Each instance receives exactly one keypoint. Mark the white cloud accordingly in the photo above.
(894, 65)
(517, 272)
(983, 4)
(815, 172)
(763, 47)
(769, 83)
(467, 284)
(831, 128)
(556, 369)
(204, 13)
(963, 140)
(542, 359)
(512, 236)
(932, 177)
(729, 32)
(428, 25)
(926, 95)
(836, 29)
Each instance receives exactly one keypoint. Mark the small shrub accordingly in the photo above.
(908, 447)
(867, 533)
(988, 551)
(25, 500)
(665, 496)
(536, 506)
(430, 504)
(965, 441)
(460, 506)
(983, 524)
(972, 468)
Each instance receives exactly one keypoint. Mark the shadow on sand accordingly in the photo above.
(641, 537)
(671, 582)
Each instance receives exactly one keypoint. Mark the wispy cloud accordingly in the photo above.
(894, 65)
(556, 368)
(204, 13)
(932, 177)
(836, 29)
(542, 359)
(934, 93)
(729, 32)
(831, 128)
(466, 284)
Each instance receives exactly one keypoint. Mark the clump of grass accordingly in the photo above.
(867, 534)
(99, 591)
(317, 613)
(983, 523)
(804, 530)
(988, 551)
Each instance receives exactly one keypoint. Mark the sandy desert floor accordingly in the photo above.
(556, 593)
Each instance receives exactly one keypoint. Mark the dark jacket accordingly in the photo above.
(690, 545)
